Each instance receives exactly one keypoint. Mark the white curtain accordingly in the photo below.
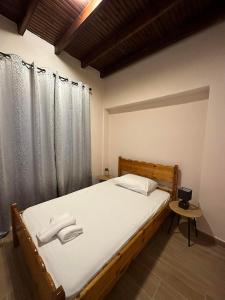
(72, 139)
(27, 166)
(44, 136)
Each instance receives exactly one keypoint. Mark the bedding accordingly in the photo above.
(137, 183)
(109, 215)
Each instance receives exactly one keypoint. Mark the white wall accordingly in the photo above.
(168, 135)
(32, 48)
(195, 62)
(192, 63)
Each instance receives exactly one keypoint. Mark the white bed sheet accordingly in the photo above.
(109, 215)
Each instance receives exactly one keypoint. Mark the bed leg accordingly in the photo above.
(14, 225)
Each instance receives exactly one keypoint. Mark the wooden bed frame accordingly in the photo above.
(106, 278)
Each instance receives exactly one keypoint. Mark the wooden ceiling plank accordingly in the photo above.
(143, 20)
(69, 9)
(70, 33)
(32, 4)
(216, 14)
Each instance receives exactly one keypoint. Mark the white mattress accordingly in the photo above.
(109, 215)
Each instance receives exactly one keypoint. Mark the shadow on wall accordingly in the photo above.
(66, 58)
(86, 75)
(205, 239)
(7, 26)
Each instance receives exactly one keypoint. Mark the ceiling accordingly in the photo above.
(111, 34)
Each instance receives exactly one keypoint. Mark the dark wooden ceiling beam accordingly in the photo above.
(216, 14)
(32, 4)
(71, 32)
(152, 13)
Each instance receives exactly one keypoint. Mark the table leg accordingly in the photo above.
(178, 220)
(189, 231)
(171, 222)
(196, 231)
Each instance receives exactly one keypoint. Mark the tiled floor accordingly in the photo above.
(166, 269)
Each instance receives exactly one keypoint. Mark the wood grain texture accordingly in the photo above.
(45, 287)
(71, 31)
(14, 9)
(187, 28)
(165, 270)
(149, 16)
(103, 282)
(22, 26)
(116, 33)
(52, 18)
(167, 175)
(192, 212)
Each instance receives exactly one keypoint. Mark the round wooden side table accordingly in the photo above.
(102, 178)
(192, 212)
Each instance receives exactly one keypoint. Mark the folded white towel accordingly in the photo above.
(55, 226)
(69, 233)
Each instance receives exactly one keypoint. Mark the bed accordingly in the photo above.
(117, 225)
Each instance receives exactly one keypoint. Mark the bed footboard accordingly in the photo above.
(44, 285)
(103, 282)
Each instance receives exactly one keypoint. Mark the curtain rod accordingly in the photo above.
(41, 70)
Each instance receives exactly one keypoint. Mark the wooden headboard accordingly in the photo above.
(167, 176)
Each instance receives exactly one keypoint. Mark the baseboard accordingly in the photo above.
(213, 239)
(220, 242)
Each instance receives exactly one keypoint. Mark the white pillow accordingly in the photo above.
(136, 183)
